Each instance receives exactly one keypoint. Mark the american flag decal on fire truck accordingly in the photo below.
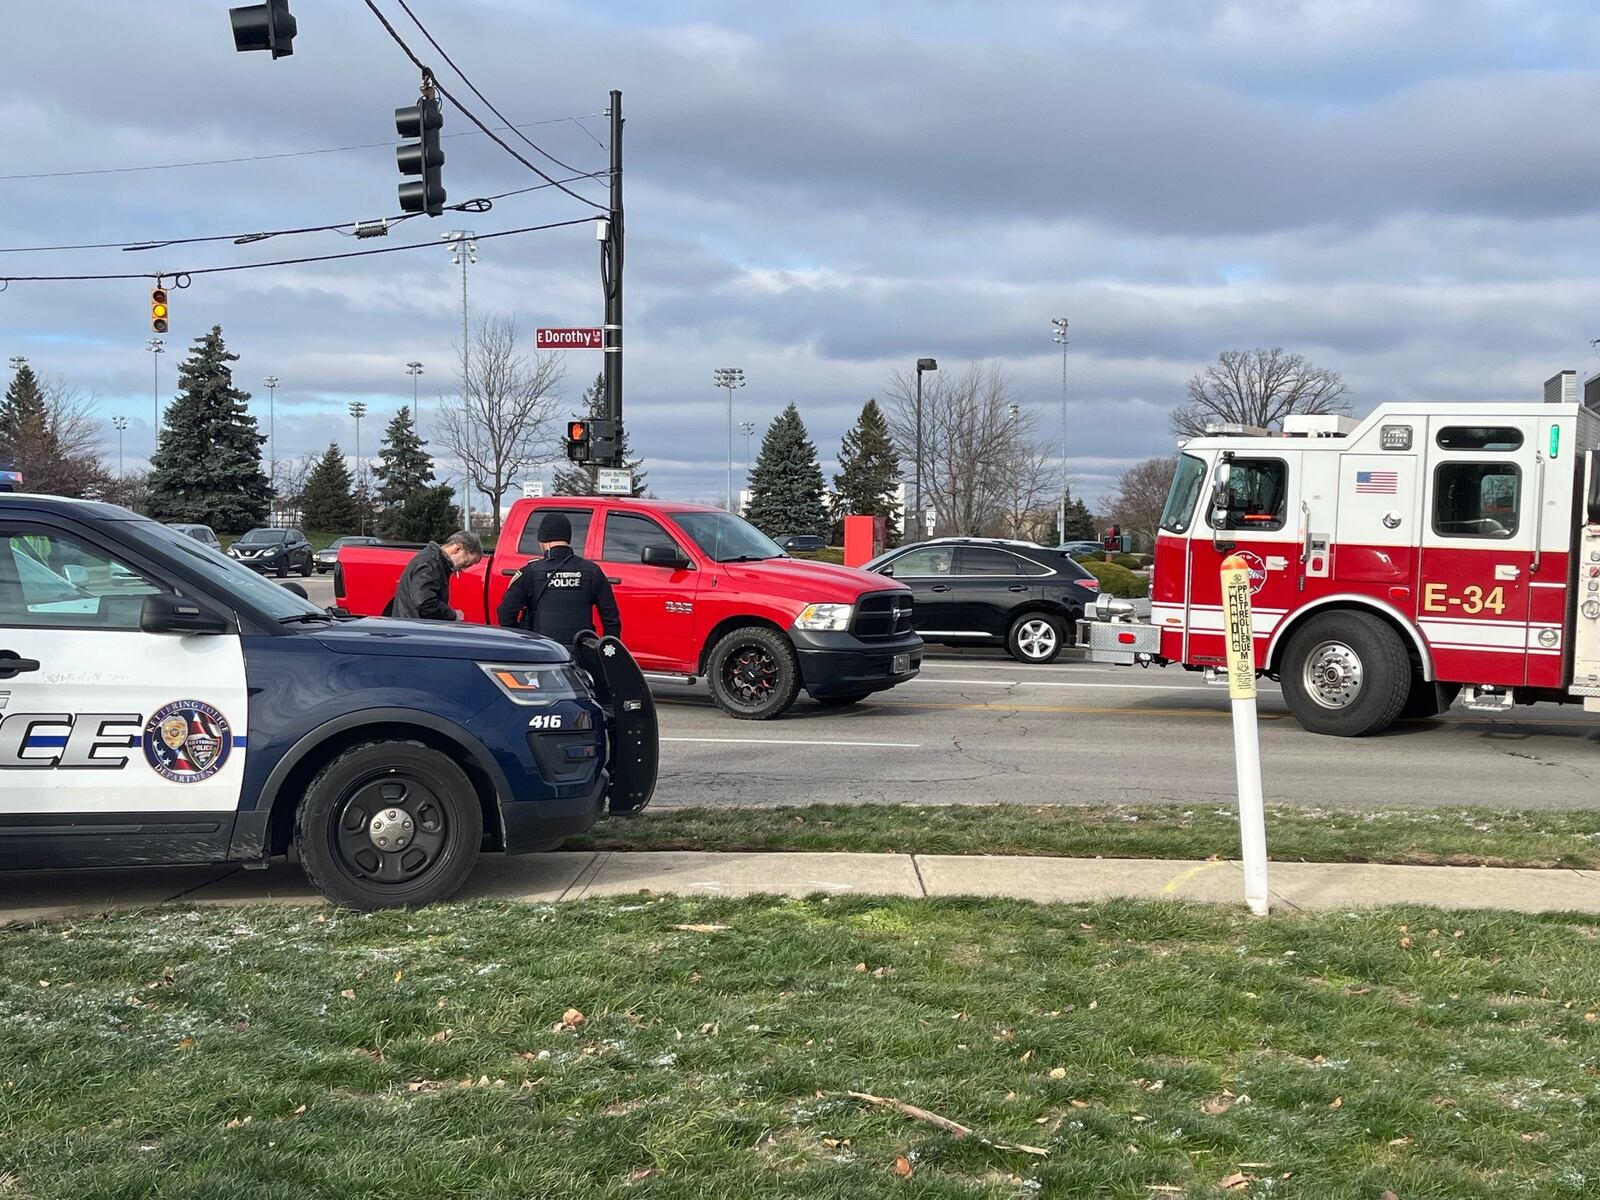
(1377, 483)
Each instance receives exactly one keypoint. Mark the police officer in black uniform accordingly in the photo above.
(558, 595)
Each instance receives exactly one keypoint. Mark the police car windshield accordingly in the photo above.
(723, 537)
(223, 574)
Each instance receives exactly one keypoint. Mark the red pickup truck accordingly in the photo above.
(702, 593)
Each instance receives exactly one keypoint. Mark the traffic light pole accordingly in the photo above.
(611, 283)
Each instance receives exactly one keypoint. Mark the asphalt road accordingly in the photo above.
(979, 728)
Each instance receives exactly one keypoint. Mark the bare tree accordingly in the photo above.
(1259, 388)
(499, 424)
(1141, 495)
(1026, 480)
(291, 475)
(979, 461)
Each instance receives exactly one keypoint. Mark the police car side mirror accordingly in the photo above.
(164, 613)
(663, 556)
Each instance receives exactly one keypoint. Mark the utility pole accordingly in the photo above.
(271, 382)
(749, 427)
(923, 364)
(358, 409)
(120, 424)
(730, 378)
(157, 347)
(414, 369)
(1059, 325)
(464, 252)
(611, 286)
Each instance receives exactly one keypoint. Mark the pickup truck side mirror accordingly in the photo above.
(164, 613)
(663, 556)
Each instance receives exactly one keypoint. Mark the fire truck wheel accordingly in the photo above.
(1035, 638)
(1346, 674)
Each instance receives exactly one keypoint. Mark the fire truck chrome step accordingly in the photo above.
(1487, 699)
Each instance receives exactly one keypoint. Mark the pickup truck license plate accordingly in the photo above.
(901, 665)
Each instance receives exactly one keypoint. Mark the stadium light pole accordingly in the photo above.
(1058, 326)
(414, 369)
(120, 424)
(730, 378)
(157, 347)
(923, 364)
(271, 382)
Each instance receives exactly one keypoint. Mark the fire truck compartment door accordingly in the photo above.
(1379, 505)
(1480, 507)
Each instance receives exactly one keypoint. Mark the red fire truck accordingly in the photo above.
(1427, 552)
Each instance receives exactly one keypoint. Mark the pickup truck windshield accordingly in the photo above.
(723, 537)
(222, 573)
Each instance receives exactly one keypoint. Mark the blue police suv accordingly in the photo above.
(161, 704)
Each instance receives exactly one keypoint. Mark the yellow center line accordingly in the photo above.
(1082, 709)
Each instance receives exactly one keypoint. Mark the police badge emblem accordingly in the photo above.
(187, 741)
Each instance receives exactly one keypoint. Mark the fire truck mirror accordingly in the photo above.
(1594, 487)
(1219, 504)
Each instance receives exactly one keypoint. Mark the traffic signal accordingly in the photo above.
(578, 441)
(158, 309)
(269, 26)
(422, 157)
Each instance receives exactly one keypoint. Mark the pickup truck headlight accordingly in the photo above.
(824, 618)
(537, 685)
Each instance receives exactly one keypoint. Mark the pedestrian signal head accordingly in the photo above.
(578, 441)
(158, 309)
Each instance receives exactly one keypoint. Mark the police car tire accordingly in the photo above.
(319, 809)
(786, 688)
(1385, 666)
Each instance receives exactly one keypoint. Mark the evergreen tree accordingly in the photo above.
(786, 485)
(427, 516)
(404, 465)
(207, 465)
(25, 432)
(869, 472)
(582, 479)
(1080, 522)
(326, 503)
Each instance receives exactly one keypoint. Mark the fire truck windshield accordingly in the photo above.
(1187, 482)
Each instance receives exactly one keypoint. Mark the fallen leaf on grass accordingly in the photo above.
(299, 1112)
(1236, 1182)
(1078, 1103)
(1338, 1102)
(348, 994)
(399, 975)
(640, 1174)
(1217, 1105)
(1406, 943)
(1058, 1072)
(700, 928)
(186, 1043)
(836, 1143)
(1388, 1195)
(1401, 1141)
(902, 1166)
(572, 1018)
(442, 1036)
(237, 1123)
(861, 969)
(1533, 1137)
(375, 1055)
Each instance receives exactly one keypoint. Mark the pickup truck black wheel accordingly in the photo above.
(754, 674)
(1346, 674)
(1036, 637)
(388, 825)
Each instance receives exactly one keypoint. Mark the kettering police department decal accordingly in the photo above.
(187, 741)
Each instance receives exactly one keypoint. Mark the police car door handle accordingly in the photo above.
(508, 572)
(12, 663)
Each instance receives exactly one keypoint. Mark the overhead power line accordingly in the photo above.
(473, 88)
(478, 204)
(249, 158)
(281, 262)
(468, 113)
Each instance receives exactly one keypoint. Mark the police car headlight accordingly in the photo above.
(537, 685)
(824, 618)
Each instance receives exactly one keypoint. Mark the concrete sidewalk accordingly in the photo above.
(43, 895)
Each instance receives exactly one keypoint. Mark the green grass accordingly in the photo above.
(283, 1052)
(1457, 836)
(831, 554)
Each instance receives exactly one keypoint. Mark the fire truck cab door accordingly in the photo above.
(1480, 509)
(1262, 525)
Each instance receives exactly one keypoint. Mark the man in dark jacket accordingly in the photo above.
(558, 595)
(423, 592)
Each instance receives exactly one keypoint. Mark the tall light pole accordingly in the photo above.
(414, 369)
(358, 410)
(157, 347)
(120, 424)
(923, 364)
(271, 382)
(749, 428)
(730, 378)
(1059, 327)
(464, 253)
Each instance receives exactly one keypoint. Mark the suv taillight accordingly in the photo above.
(1091, 584)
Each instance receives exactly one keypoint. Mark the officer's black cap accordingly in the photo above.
(555, 527)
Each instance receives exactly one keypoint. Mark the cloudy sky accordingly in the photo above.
(1403, 190)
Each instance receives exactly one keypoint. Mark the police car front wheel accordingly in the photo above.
(389, 825)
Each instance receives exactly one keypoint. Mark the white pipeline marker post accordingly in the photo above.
(1246, 740)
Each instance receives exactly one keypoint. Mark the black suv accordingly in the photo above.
(276, 550)
(985, 591)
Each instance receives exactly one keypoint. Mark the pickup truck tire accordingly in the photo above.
(388, 824)
(753, 672)
(1346, 674)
